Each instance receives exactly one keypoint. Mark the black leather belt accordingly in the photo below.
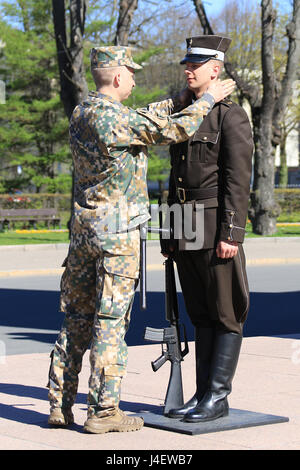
(196, 194)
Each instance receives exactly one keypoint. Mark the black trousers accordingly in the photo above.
(215, 290)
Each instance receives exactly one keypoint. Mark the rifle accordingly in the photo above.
(169, 336)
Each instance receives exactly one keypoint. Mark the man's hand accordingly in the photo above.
(166, 255)
(226, 249)
(220, 89)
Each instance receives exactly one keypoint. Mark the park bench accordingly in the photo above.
(30, 216)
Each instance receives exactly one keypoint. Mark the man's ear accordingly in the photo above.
(215, 70)
(117, 80)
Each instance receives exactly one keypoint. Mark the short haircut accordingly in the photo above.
(218, 62)
(104, 76)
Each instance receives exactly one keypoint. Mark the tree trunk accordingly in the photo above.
(264, 210)
(70, 58)
(73, 86)
(299, 144)
(200, 10)
(25, 15)
(161, 186)
(290, 75)
(283, 169)
(264, 213)
(126, 11)
(247, 91)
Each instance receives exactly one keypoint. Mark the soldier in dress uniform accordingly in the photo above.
(213, 168)
(109, 148)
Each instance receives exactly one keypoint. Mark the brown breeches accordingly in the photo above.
(215, 290)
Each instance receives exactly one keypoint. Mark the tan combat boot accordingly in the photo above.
(112, 420)
(61, 417)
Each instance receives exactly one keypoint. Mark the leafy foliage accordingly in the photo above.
(33, 128)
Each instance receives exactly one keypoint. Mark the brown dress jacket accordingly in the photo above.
(217, 160)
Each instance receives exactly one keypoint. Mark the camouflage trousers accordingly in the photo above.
(97, 292)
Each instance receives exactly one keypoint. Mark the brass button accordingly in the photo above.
(180, 179)
(183, 157)
(231, 213)
(205, 138)
(230, 225)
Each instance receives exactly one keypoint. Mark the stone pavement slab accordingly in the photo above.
(25, 260)
(267, 381)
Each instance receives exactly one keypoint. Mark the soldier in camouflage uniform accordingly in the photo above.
(109, 148)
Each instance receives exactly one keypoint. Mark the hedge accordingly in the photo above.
(288, 199)
(62, 202)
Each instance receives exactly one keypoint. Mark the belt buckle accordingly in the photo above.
(181, 194)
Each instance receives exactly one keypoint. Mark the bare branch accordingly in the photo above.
(70, 59)
(126, 10)
(248, 91)
(290, 75)
(267, 53)
(145, 21)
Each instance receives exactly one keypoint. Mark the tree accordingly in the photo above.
(33, 131)
(69, 44)
(290, 123)
(264, 210)
(158, 167)
(266, 111)
(290, 73)
(71, 87)
(126, 11)
(70, 41)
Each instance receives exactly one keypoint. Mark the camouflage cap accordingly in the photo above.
(112, 56)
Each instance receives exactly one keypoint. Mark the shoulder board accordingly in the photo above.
(227, 102)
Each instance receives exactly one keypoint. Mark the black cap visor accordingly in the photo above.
(196, 58)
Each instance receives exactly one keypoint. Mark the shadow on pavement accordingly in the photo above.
(270, 314)
(46, 338)
(24, 412)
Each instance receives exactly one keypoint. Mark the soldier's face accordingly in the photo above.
(198, 76)
(127, 81)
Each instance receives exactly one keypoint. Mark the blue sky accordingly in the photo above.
(213, 7)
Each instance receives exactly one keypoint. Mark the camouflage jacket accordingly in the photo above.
(109, 148)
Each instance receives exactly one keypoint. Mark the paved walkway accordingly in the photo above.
(267, 380)
(27, 260)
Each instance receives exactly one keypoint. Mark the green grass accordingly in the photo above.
(282, 231)
(13, 238)
(289, 217)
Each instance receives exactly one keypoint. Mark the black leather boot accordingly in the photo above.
(214, 403)
(203, 352)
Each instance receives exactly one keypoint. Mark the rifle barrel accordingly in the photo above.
(144, 229)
